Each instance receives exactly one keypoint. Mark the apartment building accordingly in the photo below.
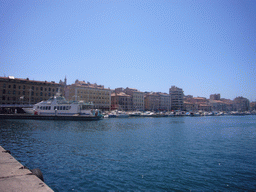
(164, 102)
(152, 101)
(87, 92)
(17, 91)
(157, 101)
(190, 106)
(121, 101)
(241, 104)
(137, 98)
(177, 98)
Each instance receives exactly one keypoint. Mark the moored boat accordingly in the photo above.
(59, 106)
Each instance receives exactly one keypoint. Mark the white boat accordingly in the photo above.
(59, 106)
(148, 114)
(121, 114)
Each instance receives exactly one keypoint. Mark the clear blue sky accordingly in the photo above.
(203, 47)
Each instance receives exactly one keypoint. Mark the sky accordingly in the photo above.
(203, 47)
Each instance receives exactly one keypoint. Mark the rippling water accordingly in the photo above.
(138, 154)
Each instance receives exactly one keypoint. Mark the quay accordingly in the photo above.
(15, 177)
(50, 117)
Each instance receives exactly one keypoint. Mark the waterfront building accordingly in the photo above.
(177, 98)
(196, 104)
(157, 101)
(87, 92)
(203, 103)
(217, 105)
(152, 101)
(137, 98)
(241, 104)
(121, 101)
(25, 92)
(228, 104)
(164, 102)
(253, 106)
(190, 106)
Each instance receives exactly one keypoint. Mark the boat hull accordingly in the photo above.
(48, 117)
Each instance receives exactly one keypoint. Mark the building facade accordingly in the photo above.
(241, 104)
(177, 98)
(17, 91)
(164, 102)
(137, 99)
(121, 101)
(152, 101)
(87, 92)
(215, 97)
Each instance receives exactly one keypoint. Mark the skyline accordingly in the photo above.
(202, 47)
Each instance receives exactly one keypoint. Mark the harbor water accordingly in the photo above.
(213, 153)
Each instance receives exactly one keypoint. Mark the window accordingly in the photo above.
(49, 89)
(32, 87)
(3, 91)
(41, 93)
(24, 87)
(3, 98)
(14, 86)
(41, 88)
(14, 92)
(4, 85)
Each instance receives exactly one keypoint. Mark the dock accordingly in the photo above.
(15, 177)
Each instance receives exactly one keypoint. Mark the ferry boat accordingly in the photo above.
(59, 106)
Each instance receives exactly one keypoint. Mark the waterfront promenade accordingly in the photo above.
(13, 176)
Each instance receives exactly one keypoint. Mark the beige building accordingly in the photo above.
(164, 102)
(137, 99)
(177, 98)
(87, 92)
(152, 101)
(22, 92)
(121, 101)
(190, 106)
(157, 101)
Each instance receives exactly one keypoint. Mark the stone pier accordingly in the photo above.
(14, 177)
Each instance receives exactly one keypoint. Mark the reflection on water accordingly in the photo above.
(138, 154)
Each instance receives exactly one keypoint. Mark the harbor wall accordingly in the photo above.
(15, 177)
